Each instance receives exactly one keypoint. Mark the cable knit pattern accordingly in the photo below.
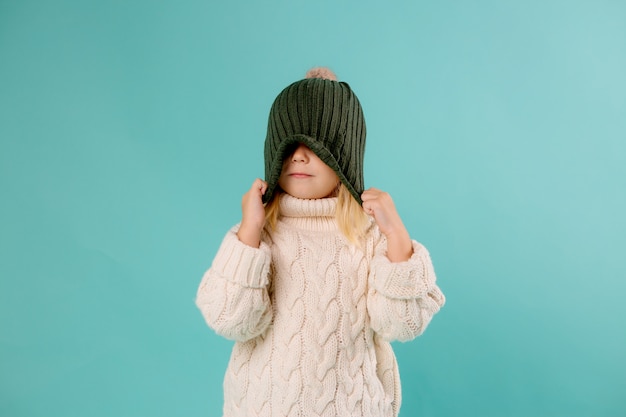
(313, 316)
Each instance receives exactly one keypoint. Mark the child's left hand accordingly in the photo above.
(379, 205)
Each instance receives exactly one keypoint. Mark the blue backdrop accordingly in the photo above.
(130, 129)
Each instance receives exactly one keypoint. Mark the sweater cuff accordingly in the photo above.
(242, 264)
(403, 280)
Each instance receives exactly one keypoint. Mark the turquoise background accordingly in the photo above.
(130, 130)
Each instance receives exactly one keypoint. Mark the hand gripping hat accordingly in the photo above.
(326, 116)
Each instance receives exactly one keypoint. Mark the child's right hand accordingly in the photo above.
(253, 214)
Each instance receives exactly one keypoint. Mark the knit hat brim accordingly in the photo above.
(286, 147)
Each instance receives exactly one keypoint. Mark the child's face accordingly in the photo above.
(304, 175)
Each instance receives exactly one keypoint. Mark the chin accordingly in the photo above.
(306, 196)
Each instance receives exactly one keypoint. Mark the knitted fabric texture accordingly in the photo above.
(313, 316)
(327, 117)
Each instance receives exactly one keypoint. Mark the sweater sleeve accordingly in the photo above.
(403, 296)
(233, 294)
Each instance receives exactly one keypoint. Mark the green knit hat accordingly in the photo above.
(326, 116)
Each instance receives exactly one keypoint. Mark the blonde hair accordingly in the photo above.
(351, 219)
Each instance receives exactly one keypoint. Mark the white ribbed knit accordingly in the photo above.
(313, 316)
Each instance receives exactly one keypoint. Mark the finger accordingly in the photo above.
(368, 195)
(368, 208)
(258, 185)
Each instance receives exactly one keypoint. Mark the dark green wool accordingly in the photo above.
(327, 117)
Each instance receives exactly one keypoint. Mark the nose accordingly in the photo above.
(301, 154)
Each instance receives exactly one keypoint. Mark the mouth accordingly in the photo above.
(299, 175)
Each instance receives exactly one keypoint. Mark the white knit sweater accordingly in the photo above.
(313, 316)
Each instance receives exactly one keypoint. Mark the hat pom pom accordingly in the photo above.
(321, 72)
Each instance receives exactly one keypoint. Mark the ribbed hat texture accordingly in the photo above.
(326, 116)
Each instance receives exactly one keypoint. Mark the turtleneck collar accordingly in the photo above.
(315, 215)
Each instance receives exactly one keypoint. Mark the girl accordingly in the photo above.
(320, 275)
